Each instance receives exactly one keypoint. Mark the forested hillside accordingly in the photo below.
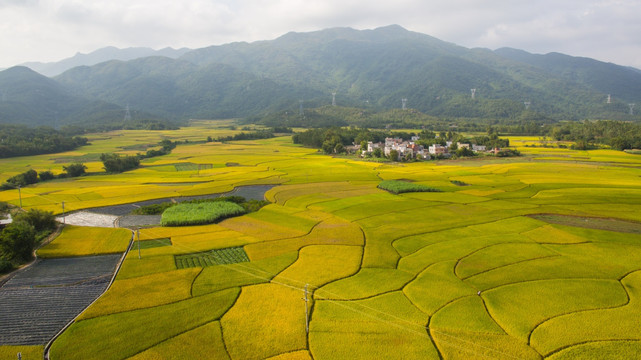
(370, 70)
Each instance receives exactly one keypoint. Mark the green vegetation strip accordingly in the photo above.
(591, 223)
(200, 214)
(399, 187)
(231, 255)
(192, 166)
(154, 243)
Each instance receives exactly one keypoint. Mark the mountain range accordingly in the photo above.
(368, 69)
(51, 69)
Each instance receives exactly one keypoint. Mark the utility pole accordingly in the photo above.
(20, 196)
(63, 213)
(138, 233)
(306, 310)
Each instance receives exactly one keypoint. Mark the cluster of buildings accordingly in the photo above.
(410, 149)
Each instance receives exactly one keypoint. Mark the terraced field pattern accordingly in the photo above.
(503, 268)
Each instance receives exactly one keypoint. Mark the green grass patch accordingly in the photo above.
(591, 223)
(207, 339)
(366, 283)
(232, 255)
(399, 187)
(86, 339)
(216, 278)
(27, 351)
(84, 241)
(512, 308)
(465, 314)
(153, 243)
(192, 166)
(200, 214)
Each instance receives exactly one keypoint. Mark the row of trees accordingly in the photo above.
(20, 140)
(19, 239)
(254, 135)
(619, 135)
(115, 163)
(112, 163)
(32, 176)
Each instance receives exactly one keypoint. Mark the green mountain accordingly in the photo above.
(99, 56)
(31, 99)
(370, 70)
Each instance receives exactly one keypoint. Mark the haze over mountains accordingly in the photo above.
(101, 55)
(371, 69)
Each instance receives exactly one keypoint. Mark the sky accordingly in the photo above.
(51, 30)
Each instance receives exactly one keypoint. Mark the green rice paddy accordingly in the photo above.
(536, 257)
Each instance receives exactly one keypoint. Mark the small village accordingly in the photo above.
(410, 149)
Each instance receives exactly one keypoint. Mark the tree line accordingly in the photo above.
(20, 140)
(619, 135)
(19, 239)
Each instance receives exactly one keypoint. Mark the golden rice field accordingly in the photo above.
(461, 274)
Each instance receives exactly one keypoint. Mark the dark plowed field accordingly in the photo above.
(39, 301)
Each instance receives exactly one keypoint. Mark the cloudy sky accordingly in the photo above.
(50, 30)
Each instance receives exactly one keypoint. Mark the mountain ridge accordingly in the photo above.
(51, 69)
(371, 69)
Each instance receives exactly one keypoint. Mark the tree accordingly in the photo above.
(17, 241)
(26, 178)
(75, 169)
(46, 175)
(364, 145)
(464, 151)
(41, 220)
(339, 148)
(378, 153)
(114, 163)
(393, 155)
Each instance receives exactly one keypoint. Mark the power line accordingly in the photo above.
(350, 304)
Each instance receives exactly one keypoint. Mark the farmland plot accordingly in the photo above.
(474, 271)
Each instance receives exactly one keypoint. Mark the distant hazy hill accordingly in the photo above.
(101, 55)
(29, 98)
(368, 69)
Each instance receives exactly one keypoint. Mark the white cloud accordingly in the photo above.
(53, 29)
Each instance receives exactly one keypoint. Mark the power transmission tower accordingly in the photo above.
(473, 91)
(333, 99)
(300, 107)
(527, 104)
(404, 102)
(631, 107)
(127, 114)
(609, 99)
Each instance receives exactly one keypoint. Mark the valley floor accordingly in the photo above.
(469, 272)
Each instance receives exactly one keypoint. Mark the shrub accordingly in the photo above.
(398, 187)
(200, 213)
(75, 169)
(5, 266)
(46, 175)
(114, 163)
(40, 220)
(153, 209)
(26, 178)
(17, 241)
